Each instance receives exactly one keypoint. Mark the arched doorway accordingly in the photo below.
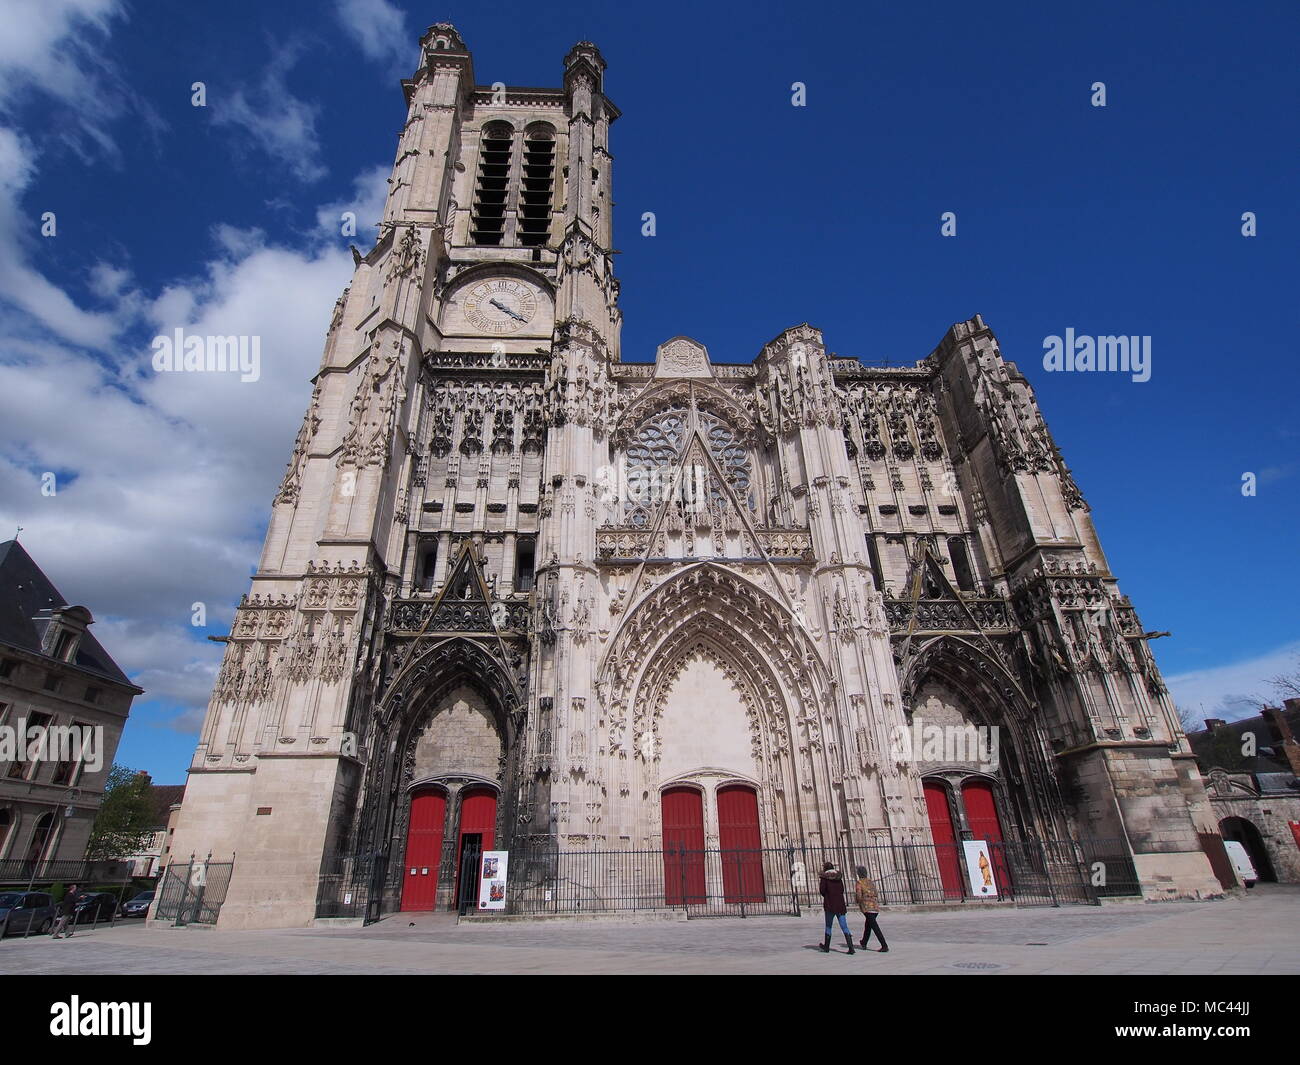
(1245, 833)
(989, 730)
(741, 843)
(945, 838)
(424, 849)
(683, 846)
(447, 721)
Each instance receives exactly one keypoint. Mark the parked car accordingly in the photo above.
(138, 906)
(95, 906)
(24, 910)
(1241, 863)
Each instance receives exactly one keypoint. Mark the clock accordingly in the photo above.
(500, 305)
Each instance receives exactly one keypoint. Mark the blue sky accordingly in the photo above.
(1117, 220)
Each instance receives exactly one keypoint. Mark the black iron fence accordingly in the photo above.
(1111, 872)
(192, 892)
(21, 871)
(785, 879)
(781, 879)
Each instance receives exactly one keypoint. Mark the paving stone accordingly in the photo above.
(1254, 933)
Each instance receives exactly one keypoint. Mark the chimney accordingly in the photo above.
(1212, 723)
(1290, 748)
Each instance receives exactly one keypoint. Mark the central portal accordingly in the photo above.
(456, 759)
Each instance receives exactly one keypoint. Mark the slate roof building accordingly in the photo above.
(63, 705)
(1252, 774)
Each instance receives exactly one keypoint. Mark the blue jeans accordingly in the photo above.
(830, 920)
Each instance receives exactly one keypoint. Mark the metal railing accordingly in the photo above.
(778, 879)
(193, 892)
(21, 870)
(785, 879)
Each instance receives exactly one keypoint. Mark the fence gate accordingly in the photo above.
(192, 892)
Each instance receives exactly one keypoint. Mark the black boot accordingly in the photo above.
(826, 944)
(849, 940)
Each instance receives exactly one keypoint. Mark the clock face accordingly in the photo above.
(500, 305)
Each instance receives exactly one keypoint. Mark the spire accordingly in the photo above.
(584, 58)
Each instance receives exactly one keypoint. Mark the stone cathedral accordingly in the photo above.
(518, 589)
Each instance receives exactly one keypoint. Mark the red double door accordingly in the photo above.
(739, 840)
(982, 817)
(424, 838)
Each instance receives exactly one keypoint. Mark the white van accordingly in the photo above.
(1241, 863)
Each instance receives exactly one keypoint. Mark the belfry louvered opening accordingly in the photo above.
(537, 181)
(493, 186)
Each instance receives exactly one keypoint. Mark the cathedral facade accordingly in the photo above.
(517, 590)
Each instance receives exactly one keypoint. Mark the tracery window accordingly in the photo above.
(730, 454)
(657, 447)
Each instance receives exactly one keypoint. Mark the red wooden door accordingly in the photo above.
(683, 818)
(741, 843)
(981, 811)
(423, 850)
(982, 816)
(945, 839)
(478, 817)
(478, 814)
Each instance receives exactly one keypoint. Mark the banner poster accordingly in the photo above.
(979, 869)
(492, 880)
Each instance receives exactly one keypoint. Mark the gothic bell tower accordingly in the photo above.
(384, 655)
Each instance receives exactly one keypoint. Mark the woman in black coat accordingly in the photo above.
(832, 889)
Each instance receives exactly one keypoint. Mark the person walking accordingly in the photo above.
(832, 889)
(67, 913)
(869, 903)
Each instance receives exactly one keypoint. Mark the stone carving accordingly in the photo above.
(408, 255)
(682, 357)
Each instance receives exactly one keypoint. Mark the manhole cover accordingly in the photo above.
(977, 965)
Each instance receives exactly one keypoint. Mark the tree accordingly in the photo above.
(1187, 719)
(125, 822)
(1287, 685)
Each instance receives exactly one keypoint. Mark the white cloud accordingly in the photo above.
(369, 194)
(45, 42)
(171, 475)
(164, 480)
(1224, 691)
(279, 123)
(54, 49)
(108, 281)
(22, 286)
(379, 29)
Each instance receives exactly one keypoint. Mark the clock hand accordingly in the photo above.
(503, 307)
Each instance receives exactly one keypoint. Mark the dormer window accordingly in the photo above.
(63, 631)
(64, 646)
